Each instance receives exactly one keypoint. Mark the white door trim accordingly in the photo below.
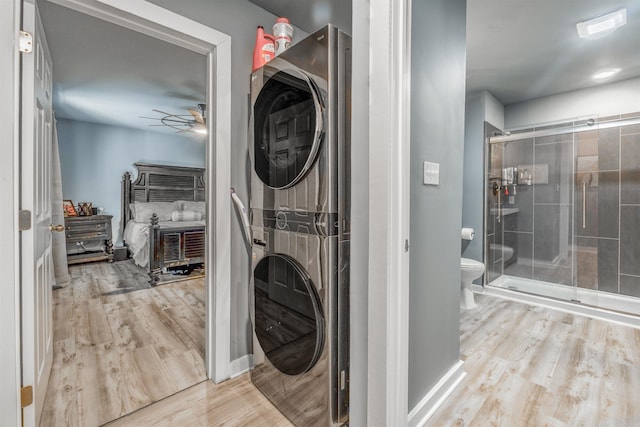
(389, 139)
(155, 21)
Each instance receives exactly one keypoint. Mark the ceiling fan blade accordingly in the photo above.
(162, 112)
(196, 115)
(178, 120)
(185, 117)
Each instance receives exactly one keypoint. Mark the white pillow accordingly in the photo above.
(186, 216)
(143, 211)
(193, 206)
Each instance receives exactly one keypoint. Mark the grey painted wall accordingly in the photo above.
(479, 107)
(9, 374)
(238, 19)
(605, 100)
(359, 283)
(437, 135)
(94, 157)
(472, 193)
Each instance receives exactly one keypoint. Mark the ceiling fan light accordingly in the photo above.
(605, 74)
(200, 130)
(602, 25)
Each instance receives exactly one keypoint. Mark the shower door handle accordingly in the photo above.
(499, 204)
(584, 205)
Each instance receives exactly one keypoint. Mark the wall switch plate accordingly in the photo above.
(431, 173)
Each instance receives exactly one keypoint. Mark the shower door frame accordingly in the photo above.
(579, 125)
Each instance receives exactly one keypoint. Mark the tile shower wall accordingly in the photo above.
(545, 234)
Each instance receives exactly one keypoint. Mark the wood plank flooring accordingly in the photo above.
(532, 366)
(233, 403)
(120, 345)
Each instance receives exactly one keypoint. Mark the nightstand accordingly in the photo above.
(88, 238)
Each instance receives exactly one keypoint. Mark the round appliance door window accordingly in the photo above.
(288, 129)
(288, 319)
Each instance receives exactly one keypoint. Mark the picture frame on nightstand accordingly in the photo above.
(69, 208)
(85, 209)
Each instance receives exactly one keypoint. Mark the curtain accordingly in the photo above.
(59, 246)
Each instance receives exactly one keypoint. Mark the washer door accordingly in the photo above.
(288, 318)
(288, 128)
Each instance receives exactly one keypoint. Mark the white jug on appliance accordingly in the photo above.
(283, 32)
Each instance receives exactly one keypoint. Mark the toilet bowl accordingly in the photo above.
(470, 270)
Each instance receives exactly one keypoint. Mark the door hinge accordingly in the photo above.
(26, 42)
(26, 396)
(24, 220)
(406, 245)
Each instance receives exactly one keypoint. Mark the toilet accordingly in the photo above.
(470, 270)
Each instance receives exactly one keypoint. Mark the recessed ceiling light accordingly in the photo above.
(602, 25)
(604, 74)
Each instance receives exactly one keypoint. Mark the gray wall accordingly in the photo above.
(8, 230)
(479, 107)
(359, 283)
(238, 19)
(437, 135)
(93, 158)
(603, 100)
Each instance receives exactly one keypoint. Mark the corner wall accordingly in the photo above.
(479, 107)
(437, 135)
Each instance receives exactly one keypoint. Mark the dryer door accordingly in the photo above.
(288, 128)
(288, 316)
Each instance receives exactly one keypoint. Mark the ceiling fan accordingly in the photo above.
(195, 121)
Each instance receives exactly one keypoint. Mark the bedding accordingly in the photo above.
(186, 216)
(142, 212)
(163, 190)
(185, 205)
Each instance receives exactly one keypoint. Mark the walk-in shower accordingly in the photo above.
(562, 211)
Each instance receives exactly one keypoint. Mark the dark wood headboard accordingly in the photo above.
(160, 183)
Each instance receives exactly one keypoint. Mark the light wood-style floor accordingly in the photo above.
(120, 345)
(532, 366)
(233, 403)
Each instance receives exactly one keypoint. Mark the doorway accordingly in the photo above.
(159, 23)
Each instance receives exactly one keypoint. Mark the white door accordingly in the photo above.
(37, 267)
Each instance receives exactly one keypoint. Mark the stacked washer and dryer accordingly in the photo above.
(300, 210)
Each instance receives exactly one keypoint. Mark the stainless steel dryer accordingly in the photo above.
(300, 229)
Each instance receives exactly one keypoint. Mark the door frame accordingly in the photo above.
(10, 236)
(160, 23)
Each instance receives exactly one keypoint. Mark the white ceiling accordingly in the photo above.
(104, 73)
(516, 49)
(524, 49)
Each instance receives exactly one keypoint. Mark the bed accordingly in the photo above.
(163, 217)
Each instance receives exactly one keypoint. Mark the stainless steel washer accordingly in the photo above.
(300, 229)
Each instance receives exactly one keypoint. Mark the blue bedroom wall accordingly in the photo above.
(94, 157)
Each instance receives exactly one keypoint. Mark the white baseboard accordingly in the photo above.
(421, 413)
(241, 365)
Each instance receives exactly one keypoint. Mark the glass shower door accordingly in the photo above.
(531, 216)
(567, 224)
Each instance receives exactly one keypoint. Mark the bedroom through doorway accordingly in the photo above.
(128, 331)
